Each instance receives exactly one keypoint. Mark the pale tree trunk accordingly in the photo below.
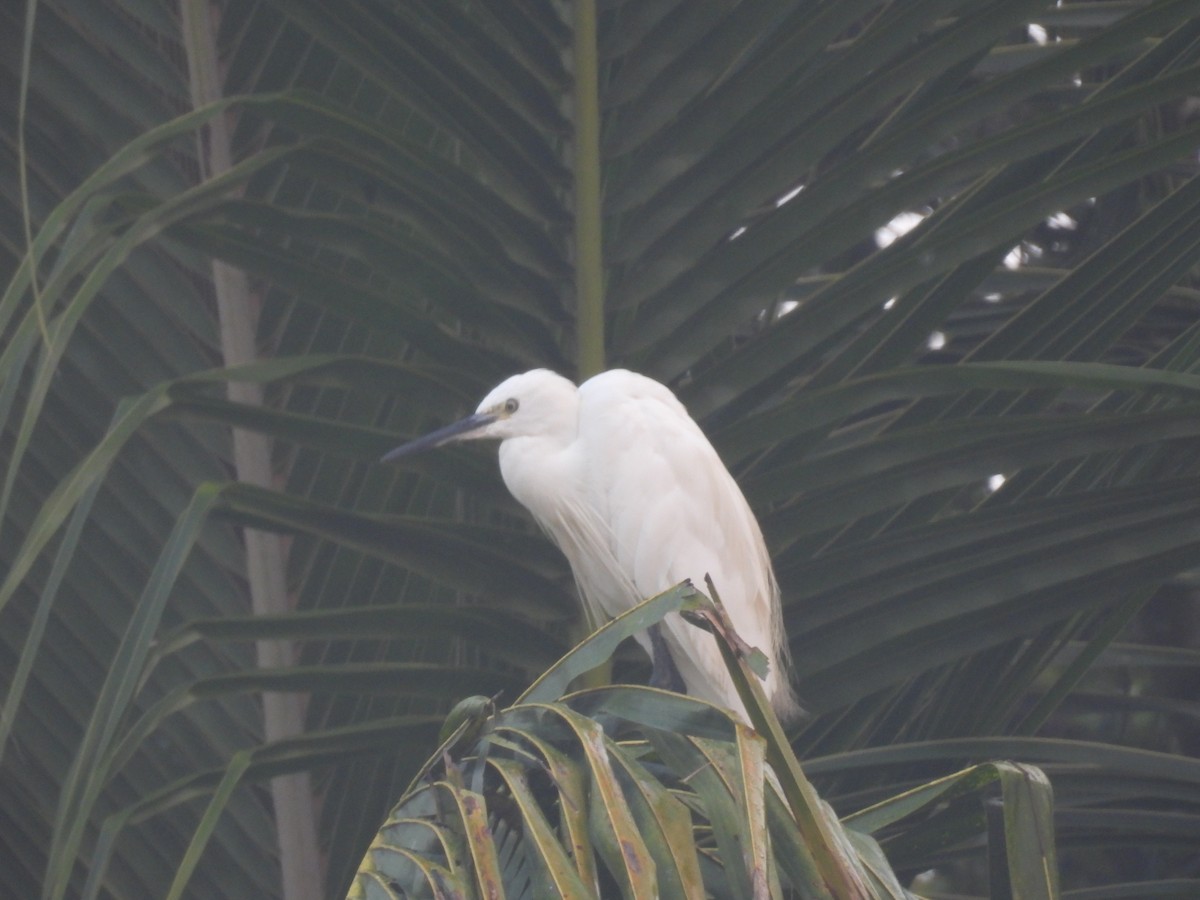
(283, 714)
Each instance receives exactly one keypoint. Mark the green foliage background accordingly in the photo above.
(420, 206)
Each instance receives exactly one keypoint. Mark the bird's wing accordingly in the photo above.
(670, 507)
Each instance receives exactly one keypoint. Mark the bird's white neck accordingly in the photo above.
(541, 472)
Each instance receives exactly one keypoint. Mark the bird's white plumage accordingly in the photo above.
(626, 484)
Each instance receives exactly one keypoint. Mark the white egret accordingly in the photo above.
(625, 483)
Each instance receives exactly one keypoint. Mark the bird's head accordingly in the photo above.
(532, 404)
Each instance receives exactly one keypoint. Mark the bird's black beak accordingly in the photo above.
(460, 430)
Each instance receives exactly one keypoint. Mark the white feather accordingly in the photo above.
(626, 484)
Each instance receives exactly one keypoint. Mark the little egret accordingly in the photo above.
(624, 482)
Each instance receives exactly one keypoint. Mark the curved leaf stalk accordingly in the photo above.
(65, 323)
(283, 714)
(23, 161)
(89, 773)
(37, 628)
(819, 828)
(233, 777)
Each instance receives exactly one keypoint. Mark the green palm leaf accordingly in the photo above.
(425, 197)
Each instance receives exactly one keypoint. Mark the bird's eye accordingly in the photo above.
(510, 405)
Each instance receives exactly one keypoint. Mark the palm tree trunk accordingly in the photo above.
(283, 714)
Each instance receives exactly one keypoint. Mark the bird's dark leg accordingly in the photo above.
(663, 673)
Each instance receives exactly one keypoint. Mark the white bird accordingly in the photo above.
(623, 480)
